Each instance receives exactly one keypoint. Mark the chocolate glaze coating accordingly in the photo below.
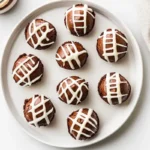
(77, 28)
(48, 38)
(125, 89)
(10, 1)
(26, 69)
(73, 90)
(71, 55)
(39, 120)
(92, 124)
(112, 41)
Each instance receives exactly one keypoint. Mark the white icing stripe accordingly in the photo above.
(73, 20)
(86, 119)
(71, 56)
(45, 114)
(75, 94)
(114, 44)
(85, 18)
(121, 45)
(3, 3)
(8, 7)
(26, 72)
(122, 37)
(115, 85)
(35, 28)
(85, 10)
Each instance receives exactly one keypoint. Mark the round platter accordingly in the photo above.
(111, 117)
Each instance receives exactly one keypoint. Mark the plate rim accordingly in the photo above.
(115, 19)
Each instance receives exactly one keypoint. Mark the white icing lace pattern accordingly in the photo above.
(26, 69)
(87, 119)
(70, 55)
(85, 10)
(33, 30)
(75, 94)
(106, 51)
(115, 85)
(34, 106)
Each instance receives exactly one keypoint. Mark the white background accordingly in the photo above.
(135, 134)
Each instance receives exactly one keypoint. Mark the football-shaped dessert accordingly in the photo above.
(114, 88)
(27, 70)
(72, 90)
(39, 110)
(112, 45)
(79, 19)
(71, 55)
(40, 34)
(83, 124)
(6, 5)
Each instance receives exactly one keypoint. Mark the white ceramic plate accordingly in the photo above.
(111, 117)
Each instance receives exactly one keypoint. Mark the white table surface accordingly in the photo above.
(135, 134)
